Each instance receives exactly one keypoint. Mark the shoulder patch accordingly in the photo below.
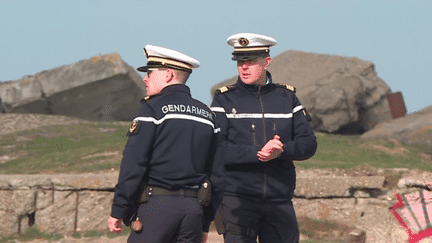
(226, 88)
(288, 87)
(306, 114)
(133, 126)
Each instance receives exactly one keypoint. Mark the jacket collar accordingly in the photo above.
(170, 89)
(175, 88)
(256, 88)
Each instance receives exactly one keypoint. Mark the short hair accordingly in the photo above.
(182, 76)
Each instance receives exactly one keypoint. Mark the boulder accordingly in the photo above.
(342, 94)
(102, 88)
(414, 128)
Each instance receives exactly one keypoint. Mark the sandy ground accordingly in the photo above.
(213, 238)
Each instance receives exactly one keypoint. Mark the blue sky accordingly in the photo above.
(395, 35)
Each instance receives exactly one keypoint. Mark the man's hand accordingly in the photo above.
(204, 237)
(271, 150)
(114, 225)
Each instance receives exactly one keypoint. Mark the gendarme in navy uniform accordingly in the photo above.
(264, 128)
(168, 157)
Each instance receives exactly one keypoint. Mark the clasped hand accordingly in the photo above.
(271, 150)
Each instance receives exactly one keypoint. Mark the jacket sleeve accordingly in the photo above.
(217, 179)
(232, 153)
(134, 164)
(304, 143)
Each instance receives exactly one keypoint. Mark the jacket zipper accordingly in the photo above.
(265, 141)
(253, 134)
(262, 112)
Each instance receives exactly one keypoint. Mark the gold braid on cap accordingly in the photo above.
(260, 48)
(168, 61)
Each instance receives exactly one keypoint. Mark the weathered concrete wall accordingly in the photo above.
(55, 203)
(356, 201)
(67, 203)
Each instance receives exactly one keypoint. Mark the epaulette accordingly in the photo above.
(225, 88)
(288, 87)
(147, 98)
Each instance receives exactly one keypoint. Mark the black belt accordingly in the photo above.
(155, 191)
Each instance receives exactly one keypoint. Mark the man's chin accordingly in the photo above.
(246, 80)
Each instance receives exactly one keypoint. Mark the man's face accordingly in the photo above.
(253, 71)
(155, 81)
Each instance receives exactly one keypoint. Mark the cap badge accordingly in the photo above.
(243, 41)
(234, 111)
(133, 126)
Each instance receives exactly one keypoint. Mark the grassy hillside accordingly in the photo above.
(342, 151)
(98, 147)
(63, 149)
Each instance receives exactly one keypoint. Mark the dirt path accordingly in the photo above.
(213, 238)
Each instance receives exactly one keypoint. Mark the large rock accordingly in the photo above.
(414, 128)
(102, 88)
(342, 94)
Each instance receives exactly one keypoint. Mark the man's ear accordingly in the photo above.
(267, 62)
(169, 76)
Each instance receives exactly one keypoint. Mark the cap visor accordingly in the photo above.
(244, 58)
(143, 69)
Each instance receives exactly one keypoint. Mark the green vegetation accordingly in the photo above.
(31, 234)
(327, 230)
(34, 234)
(96, 147)
(93, 233)
(64, 149)
(343, 152)
(126, 231)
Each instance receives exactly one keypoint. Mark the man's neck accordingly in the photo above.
(262, 81)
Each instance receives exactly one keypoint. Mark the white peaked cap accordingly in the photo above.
(160, 57)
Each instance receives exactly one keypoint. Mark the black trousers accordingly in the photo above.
(273, 222)
(169, 219)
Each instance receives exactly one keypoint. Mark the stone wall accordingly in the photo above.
(67, 203)
(55, 203)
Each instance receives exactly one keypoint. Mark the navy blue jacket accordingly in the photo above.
(249, 116)
(172, 144)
